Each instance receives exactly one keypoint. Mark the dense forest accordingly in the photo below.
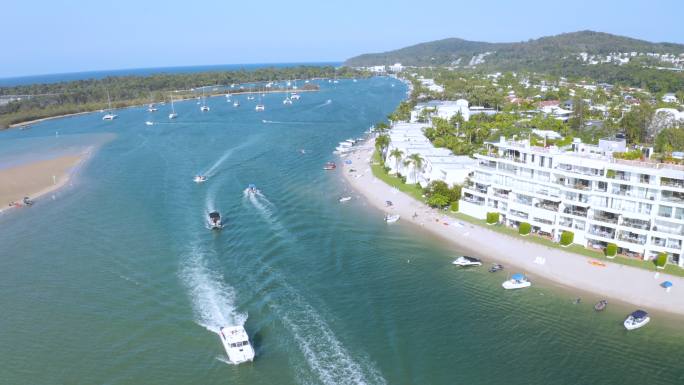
(38, 101)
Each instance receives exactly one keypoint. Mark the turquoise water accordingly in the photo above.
(117, 280)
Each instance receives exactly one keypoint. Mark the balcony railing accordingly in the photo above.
(578, 213)
(632, 239)
(636, 225)
(605, 218)
(672, 183)
(604, 234)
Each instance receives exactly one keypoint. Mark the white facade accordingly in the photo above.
(445, 109)
(639, 206)
(669, 98)
(438, 163)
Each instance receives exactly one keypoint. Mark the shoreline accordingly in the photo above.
(66, 176)
(621, 283)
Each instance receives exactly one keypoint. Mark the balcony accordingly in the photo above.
(636, 224)
(632, 238)
(473, 200)
(678, 183)
(602, 233)
(674, 197)
(605, 218)
(576, 212)
(547, 206)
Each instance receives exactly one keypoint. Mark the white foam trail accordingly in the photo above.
(214, 167)
(265, 208)
(327, 103)
(324, 353)
(213, 301)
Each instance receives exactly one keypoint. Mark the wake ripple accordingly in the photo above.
(213, 301)
(214, 167)
(265, 209)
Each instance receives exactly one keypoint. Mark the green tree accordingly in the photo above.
(417, 161)
(381, 144)
(397, 154)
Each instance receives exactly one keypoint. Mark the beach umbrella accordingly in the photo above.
(667, 285)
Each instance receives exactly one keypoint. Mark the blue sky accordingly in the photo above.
(42, 37)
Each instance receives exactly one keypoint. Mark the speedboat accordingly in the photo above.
(236, 343)
(294, 96)
(287, 101)
(466, 261)
(344, 199)
(330, 166)
(517, 281)
(151, 108)
(199, 179)
(495, 267)
(260, 107)
(236, 104)
(204, 108)
(392, 218)
(109, 116)
(215, 220)
(250, 97)
(601, 305)
(173, 115)
(251, 189)
(149, 123)
(636, 320)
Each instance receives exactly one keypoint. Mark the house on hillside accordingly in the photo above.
(669, 98)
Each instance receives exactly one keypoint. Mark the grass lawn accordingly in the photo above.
(416, 192)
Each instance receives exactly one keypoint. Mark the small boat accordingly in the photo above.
(392, 218)
(173, 114)
(149, 123)
(601, 305)
(251, 189)
(330, 166)
(517, 281)
(204, 108)
(287, 101)
(27, 201)
(260, 107)
(294, 96)
(636, 320)
(236, 104)
(466, 261)
(215, 221)
(236, 343)
(495, 267)
(151, 108)
(199, 179)
(109, 115)
(344, 199)
(250, 97)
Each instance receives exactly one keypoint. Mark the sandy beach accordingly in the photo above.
(36, 179)
(631, 285)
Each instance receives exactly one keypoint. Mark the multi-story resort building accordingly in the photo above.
(636, 205)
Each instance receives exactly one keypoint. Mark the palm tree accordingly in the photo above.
(396, 154)
(381, 144)
(417, 161)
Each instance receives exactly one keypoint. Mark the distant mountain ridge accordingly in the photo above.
(537, 54)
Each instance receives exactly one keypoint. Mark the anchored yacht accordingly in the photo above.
(466, 261)
(636, 320)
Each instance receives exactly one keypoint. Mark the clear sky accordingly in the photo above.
(40, 37)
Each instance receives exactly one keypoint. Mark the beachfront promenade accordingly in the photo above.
(618, 282)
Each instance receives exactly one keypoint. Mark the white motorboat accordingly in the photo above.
(344, 199)
(250, 97)
(204, 108)
(251, 189)
(236, 342)
(517, 281)
(636, 320)
(260, 107)
(392, 218)
(109, 117)
(199, 179)
(287, 101)
(149, 123)
(294, 96)
(215, 221)
(151, 108)
(173, 114)
(236, 104)
(466, 261)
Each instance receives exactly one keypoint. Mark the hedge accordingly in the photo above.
(611, 250)
(524, 228)
(454, 206)
(492, 218)
(661, 260)
(566, 238)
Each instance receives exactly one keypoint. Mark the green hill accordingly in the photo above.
(541, 54)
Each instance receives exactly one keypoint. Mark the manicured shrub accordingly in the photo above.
(611, 250)
(492, 218)
(661, 260)
(566, 238)
(524, 228)
(454, 206)
(438, 200)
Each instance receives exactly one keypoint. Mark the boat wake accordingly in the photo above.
(213, 301)
(214, 167)
(281, 122)
(265, 209)
(326, 103)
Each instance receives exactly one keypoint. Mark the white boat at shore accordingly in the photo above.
(236, 342)
(466, 261)
(636, 320)
(392, 218)
(517, 281)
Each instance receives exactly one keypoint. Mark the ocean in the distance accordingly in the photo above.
(116, 280)
(66, 77)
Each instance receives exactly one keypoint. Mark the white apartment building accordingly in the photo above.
(639, 206)
(438, 163)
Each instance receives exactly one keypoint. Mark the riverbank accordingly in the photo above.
(614, 281)
(37, 179)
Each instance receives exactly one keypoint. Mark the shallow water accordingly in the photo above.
(118, 281)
